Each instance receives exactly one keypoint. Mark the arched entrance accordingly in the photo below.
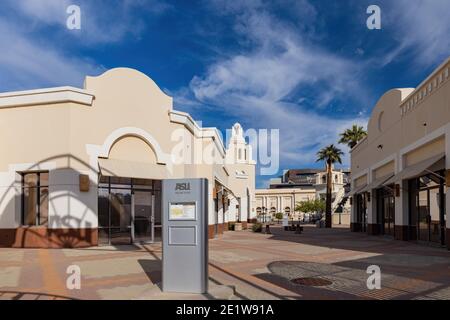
(129, 188)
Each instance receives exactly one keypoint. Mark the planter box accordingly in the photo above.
(238, 227)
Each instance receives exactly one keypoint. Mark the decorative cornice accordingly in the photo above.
(211, 133)
(433, 83)
(46, 96)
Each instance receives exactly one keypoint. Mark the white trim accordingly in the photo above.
(96, 151)
(424, 82)
(23, 167)
(186, 120)
(46, 96)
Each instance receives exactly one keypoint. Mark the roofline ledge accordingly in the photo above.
(46, 96)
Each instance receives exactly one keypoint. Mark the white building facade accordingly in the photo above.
(400, 172)
(83, 167)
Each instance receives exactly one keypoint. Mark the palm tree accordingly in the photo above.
(352, 136)
(330, 155)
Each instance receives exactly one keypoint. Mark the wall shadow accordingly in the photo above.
(71, 231)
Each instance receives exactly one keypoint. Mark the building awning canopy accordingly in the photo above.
(224, 186)
(131, 169)
(430, 165)
(377, 183)
(356, 190)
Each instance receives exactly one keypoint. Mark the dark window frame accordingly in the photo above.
(38, 197)
(108, 184)
(386, 194)
(415, 188)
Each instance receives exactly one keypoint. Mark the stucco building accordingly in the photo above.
(82, 167)
(400, 171)
(298, 185)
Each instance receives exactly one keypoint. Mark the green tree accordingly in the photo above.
(310, 206)
(319, 205)
(352, 136)
(330, 155)
(279, 216)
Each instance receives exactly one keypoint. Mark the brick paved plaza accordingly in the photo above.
(243, 265)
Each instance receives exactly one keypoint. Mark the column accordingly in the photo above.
(373, 225)
(353, 213)
(401, 212)
(353, 216)
(447, 195)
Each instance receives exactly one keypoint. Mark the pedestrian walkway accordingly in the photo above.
(318, 264)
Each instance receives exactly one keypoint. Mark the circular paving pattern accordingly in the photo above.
(312, 282)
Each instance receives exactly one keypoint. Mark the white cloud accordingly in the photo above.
(47, 11)
(421, 28)
(39, 53)
(102, 21)
(256, 85)
(26, 64)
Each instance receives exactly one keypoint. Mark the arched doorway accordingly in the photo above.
(129, 192)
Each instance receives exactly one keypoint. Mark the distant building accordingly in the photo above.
(297, 185)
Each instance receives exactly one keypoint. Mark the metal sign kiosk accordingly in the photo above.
(185, 235)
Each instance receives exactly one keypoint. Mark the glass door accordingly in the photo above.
(120, 230)
(143, 214)
(129, 210)
(389, 215)
(431, 209)
(157, 218)
(435, 218)
(423, 219)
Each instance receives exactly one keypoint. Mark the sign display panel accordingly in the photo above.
(182, 211)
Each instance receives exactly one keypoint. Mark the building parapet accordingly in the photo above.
(46, 96)
(427, 88)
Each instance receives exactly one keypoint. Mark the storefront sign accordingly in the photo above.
(84, 183)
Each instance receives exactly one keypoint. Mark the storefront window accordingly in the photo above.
(122, 220)
(386, 210)
(35, 198)
(427, 208)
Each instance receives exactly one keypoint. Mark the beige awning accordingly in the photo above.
(377, 183)
(432, 164)
(224, 186)
(131, 169)
(355, 191)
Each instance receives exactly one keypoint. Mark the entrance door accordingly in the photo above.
(129, 210)
(423, 219)
(143, 210)
(120, 229)
(389, 216)
(435, 218)
(431, 216)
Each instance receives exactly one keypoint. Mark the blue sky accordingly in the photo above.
(309, 68)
